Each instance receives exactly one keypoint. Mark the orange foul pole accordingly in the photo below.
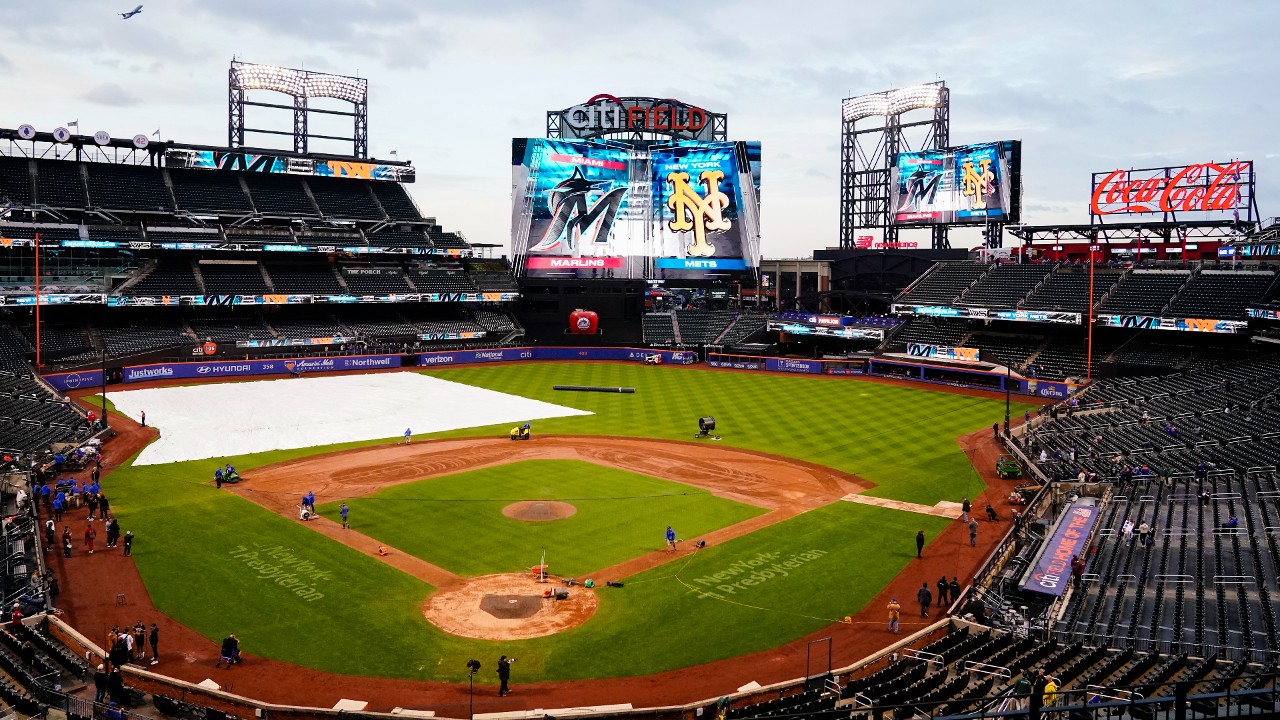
(1088, 352)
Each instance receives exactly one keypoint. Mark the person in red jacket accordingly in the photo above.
(89, 535)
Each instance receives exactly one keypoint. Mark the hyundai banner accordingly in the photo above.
(1052, 572)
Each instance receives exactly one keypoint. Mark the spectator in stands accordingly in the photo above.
(1126, 531)
(925, 598)
(1077, 569)
(115, 685)
(1146, 417)
(1233, 523)
(1021, 693)
(1204, 497)
(16, 617)
(1144, 534)
(1036, 701)
(1050, 690)
(1044, 456)
(943, 588)
(100, 683)
(920, 545)
(1202, 473)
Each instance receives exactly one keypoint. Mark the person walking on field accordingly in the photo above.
(955, 589)
(671, 538)
(89, 535)
(965, 507)
(408, 435)
(920, 545)
(143, 415)
(128, 543)
(943, 589)
(925, 598)
(895, 611)
(154, 637)
(973, 533)
(344, 511)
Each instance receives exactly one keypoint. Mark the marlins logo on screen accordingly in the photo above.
(573, 218)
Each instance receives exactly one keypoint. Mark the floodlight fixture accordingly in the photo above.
(894, 102)
(298, 83)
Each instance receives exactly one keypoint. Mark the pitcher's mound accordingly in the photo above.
(508, 607)
(539, 510)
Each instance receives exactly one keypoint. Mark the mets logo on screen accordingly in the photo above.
(697, 212)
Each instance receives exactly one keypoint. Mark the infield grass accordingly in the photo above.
(195, 545)
(427, 518)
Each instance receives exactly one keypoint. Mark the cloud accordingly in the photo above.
(111, 95)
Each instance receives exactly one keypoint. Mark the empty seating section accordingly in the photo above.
(209, 191)
(390, 326)
(228, 330)
(744, 328)
(314, 328)
(492, 276)
(1151, 357)
(1013, 350)
(658, 329)
(30, 417)
(931, 332)
(15, 180)
(168, 277)
(699, 327)
(125, 340)
(943, 284)
(399, 238)
(1199, 586)
(1005, 286)
(495, 322)
(1220, 294)
(395, 201)
(119, 234)
(1064, 357)
(59, 341)
(345, 198)
(441, 280)
(304, 278)
(1144, 292)
(1067, 288)
(182, 235)
(448, 240)
(127, 187)
(58, 184)
(232, 278)
(386, 279)
(279, 195)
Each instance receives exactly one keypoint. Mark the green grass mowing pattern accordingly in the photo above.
(901, 438)
(456, 521)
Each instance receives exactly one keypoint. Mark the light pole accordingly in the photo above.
(473, 667)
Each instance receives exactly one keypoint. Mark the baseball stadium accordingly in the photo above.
(276, 443)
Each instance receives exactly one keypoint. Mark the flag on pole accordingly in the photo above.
(156, 134)
(74, 123)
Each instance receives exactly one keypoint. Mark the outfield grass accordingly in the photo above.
(421, 518)
(903, 439)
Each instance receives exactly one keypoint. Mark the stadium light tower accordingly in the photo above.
(873, 130)
(301, 85)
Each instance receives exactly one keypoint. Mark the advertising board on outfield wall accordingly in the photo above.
(978, 313)
(1145, 322)
(940, 352)
(74, 380)
(232, 368)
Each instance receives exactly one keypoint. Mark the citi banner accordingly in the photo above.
(1146, 322)
(231, 368)
(74, 380)
(813, 367)
(957, 354)
(1052, 571)
(466, 357)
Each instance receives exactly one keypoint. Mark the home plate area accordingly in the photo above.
(509, 607)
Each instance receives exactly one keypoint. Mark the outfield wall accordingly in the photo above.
(879, 367)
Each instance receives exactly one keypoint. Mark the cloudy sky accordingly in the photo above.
(1088, 86)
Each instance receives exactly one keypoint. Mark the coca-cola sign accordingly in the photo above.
(1206, 187)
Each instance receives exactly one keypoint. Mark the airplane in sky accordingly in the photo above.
(131, 13)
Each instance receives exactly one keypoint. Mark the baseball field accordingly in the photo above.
(785, 555)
